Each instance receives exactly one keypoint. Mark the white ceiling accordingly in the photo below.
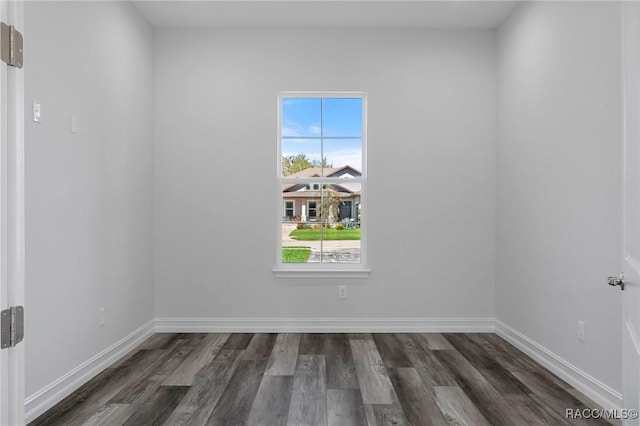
(327, 13)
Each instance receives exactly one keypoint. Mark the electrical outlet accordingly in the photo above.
(342, 292)
(582, 330)
(37, 112)
(102, 317)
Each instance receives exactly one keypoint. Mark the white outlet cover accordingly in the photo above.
(342, 292)
(37, 112)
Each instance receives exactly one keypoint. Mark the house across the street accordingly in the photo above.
(302, 201)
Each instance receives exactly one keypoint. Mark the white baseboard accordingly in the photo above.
(38, 403)
(324, 325)
(584, 382)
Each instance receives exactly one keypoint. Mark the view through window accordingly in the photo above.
(322, 178)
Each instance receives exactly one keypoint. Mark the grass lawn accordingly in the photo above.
(327, 234)
(295, 254)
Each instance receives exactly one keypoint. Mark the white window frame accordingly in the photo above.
(323, 270)
(284, 207)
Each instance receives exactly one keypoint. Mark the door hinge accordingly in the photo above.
(11, 326)
(10, 45)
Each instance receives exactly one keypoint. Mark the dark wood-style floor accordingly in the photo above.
(322, 379)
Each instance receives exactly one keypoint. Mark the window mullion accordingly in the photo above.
(322, 213)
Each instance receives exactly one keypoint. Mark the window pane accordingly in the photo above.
(344, 152)
(341, 242)
(321, 226)
(346, 199)
(342, 117)
(300, 157)
(296, 197)
(301, 117)
(304, 202)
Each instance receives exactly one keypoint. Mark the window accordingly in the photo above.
(346, 210)
(313, 208)
(289, 209)
(322, 164)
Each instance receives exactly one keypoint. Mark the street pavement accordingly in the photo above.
(335, 251)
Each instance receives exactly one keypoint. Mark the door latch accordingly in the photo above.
(616, 281)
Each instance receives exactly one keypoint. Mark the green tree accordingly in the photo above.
(324, 163)
(330, 205)
(294, 163)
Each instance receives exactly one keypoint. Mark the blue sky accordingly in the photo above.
(340, 117)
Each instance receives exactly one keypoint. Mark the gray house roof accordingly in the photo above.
(323, 172)
(328, 172)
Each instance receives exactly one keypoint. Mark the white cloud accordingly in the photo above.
(292, 101)
(343, 157)
(291, 129)
(314, 130)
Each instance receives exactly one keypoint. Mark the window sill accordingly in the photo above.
(321, 273)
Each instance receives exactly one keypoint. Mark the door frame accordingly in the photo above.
(630, 253)
(12, 219)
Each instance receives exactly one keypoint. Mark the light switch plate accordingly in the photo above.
(582, 330)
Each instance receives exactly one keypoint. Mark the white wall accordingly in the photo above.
(558, 180)
(431, 101)
(88, 195)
